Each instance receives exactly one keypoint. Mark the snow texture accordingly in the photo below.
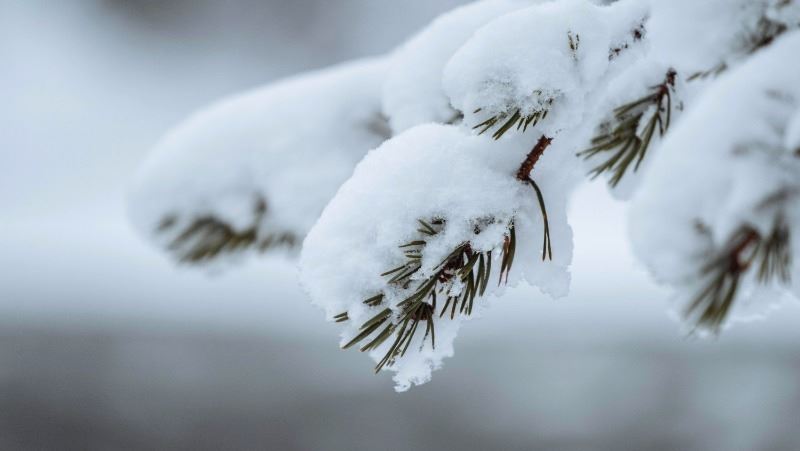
(636, 81)
(720, 167)
(728, 157)
(555, 53)
(715, 33)
(461, 181)
(279, 145)
(435, 171)
(413, 93)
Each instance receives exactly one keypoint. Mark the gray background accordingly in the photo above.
(104, 344)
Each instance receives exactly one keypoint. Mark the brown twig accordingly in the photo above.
(738, 262)
(524, 175)
(723, 273)
(526, 167)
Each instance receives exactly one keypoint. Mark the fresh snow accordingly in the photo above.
(413, 92)
(728, 168)
(278, 144)
(728, 159)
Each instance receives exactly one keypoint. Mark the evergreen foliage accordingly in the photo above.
(624, 140)
(207, 238)
(723, 272)
(458, 279)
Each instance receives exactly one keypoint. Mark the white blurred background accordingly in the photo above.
(105, 344)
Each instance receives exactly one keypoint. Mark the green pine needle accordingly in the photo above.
(621, 142)
(514, 118)
(209, 237)
(470, 269)
(723, 273)
(547, 250)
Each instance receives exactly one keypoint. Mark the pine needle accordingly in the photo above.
(514, 118)
(471, 269)
(624, 142)
(721, 276)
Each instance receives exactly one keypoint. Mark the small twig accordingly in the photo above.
(524, 175)
(723, 272)
(527, 165)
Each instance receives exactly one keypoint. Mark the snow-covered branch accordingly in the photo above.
(253, 172)
(481, 126)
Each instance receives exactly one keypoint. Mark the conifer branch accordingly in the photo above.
(625, 139)
(723, 272)
(208, 237)
(458, 279)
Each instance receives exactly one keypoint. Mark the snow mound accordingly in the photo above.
(255, 170)
(429, 173)
(413, 93)
(544, 57)
(721, 169)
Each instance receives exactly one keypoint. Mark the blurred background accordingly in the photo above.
(105, 344)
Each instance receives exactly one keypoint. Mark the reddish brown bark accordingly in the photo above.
(526, 167)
